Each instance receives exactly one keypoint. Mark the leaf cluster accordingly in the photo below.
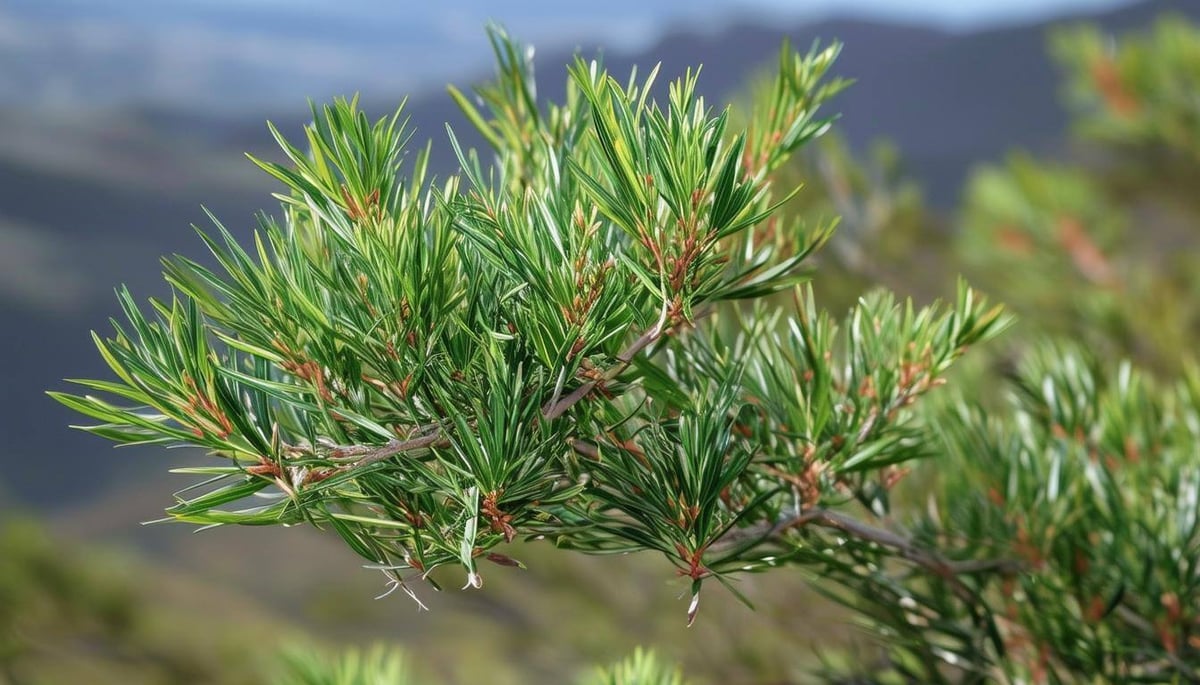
(1088, 482)
(1139, 92)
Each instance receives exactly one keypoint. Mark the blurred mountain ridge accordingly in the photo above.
(219, 56)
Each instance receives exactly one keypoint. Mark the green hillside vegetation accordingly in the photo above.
(71, 613)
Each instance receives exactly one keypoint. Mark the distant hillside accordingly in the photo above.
(948, 100)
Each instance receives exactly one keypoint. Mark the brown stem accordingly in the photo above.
(393, 447)
(554, 409)
(907, 549)
(583, 448)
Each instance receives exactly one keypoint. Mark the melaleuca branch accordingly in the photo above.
(398, 361)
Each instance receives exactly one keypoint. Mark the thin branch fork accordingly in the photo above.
(433, 434)
(394, 447)
(557, 407)
(931, 561)
(554, 409)
(905, 546)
